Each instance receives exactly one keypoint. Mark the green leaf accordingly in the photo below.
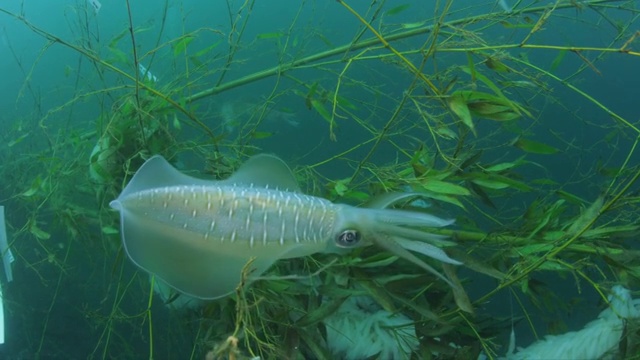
(207, 49)
(509, 25)
(556, 62)
(571, 197)
(479, 192)
(489, 106)
(552, 213)
(445, 198)
(272, 35)
(515, 106)
(117, 56)
(553, 235)
(358, 195)
(472, 68)
(485, 80)
(195, 61)
(181, 45)
(324, 39)
(38, 233)
(29, 193)
(116, 39)
(519, 84)
(493, 110)
(587, 217)
(545, 181)
(109, 230)
(490, 184)
(470, 159)
(552, 266)
(35, 186)
(504, 166)
(397, 10)
(309, 96)
(18, 140)
(519, 185)
(317, 105)
(534, 147)
(412, 25)
(493, 180)
(320, 313)
(376, 291)
(341, 187)
(496, 65)
(381, 260)
(443, 187)
(446, 133)
(344, 102)
(261, 134)
(176, 122)
(458, 104)
(610, 231)
(310, 338)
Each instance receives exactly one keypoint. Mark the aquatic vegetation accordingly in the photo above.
(511, 118)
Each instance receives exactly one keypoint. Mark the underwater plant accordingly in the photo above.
(509, 119)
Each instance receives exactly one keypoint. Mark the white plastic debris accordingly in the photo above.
(1, 317)
(145, 73)
(7, 259)
(7, 256)
(599, 339)
(361, 329)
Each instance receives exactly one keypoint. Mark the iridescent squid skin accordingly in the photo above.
(197, 235)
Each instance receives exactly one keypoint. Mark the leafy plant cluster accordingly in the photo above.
(469, 131)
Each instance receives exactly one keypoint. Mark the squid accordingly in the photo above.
(197, 235)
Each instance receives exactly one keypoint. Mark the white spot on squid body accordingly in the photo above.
(264, 228)
(220, 197)
(295, 222)
(287, 200)
(248, 222)
(282, 232)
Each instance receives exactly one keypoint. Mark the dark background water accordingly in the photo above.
(39, 76)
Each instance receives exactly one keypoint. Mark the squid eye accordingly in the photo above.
(348, 238)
